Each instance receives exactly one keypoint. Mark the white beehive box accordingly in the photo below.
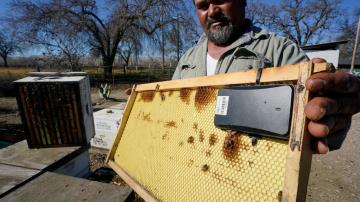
(107, 122)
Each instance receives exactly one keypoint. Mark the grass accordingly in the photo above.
(96, 74)
(15, 71)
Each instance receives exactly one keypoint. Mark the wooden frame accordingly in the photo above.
(299, 152)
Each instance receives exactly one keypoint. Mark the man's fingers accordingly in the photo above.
(320, 146)
(328, 125)
(336, 82)
(322, 128)
(318, 60)
(319, 107)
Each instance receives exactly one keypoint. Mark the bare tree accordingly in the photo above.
(299, 20)
(62, 49)
(128, 47)
(181, 35)
(9, 44)
(348, 32)
(175, 38)
(105, 31)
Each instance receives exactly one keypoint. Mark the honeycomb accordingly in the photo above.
(172, 148)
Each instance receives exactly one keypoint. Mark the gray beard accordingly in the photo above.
(221, 35)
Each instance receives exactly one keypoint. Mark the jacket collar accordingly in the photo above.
(250, 34)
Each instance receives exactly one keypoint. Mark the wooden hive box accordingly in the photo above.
(168, 148)
(56, 109)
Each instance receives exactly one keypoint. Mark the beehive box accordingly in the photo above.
(56, 109)
(168, 148)
(106, 123)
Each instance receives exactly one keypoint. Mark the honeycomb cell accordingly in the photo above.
(172, 148)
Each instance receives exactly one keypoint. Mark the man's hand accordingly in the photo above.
(336, 99)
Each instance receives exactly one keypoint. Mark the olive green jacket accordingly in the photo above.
(254, 49)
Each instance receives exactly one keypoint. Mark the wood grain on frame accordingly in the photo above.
(288, 73)
(124, 119)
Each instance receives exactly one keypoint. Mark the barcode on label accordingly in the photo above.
(222, 105)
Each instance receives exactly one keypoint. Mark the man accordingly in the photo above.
(231, 44)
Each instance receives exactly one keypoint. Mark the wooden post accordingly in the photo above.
(355, 47)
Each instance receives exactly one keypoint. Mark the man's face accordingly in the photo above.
(221, 20)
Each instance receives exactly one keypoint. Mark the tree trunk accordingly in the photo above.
(125, 66)
(108, 72)
(107, 64)
(5, 61)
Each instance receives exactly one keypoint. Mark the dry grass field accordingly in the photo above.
(18, 71)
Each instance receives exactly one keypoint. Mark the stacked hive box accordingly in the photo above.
(56, 109)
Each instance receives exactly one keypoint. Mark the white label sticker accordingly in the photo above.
(222, 105)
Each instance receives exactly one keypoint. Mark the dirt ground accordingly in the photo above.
(334, 177)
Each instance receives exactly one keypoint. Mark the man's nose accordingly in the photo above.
(213, 10)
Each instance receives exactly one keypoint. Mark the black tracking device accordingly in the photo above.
(258, 110)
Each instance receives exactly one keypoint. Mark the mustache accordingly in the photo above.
(221, 17)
